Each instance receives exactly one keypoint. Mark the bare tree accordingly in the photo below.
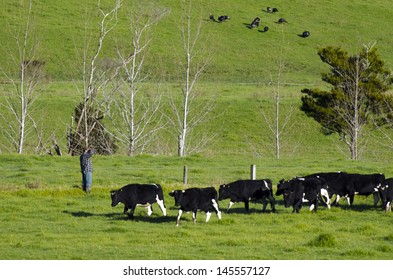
(196, 57)
(135, 117)
(94, 79)
(276, 121)
(16, 120)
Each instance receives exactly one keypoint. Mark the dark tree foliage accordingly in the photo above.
(100, 140)
(357, 90)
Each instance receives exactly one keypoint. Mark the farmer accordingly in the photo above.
(86, 169)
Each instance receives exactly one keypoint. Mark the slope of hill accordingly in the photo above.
(239, 54)
(243, 70)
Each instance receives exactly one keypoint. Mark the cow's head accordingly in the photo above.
(282, 186)
(177, 195)
(115, 196)
(223, 192)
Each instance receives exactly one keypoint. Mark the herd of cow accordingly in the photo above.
(314, 189)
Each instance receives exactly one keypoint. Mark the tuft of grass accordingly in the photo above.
(323, 240)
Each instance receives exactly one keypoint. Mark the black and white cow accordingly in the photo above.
(254, 23)
(196, 199)
(248, 190)
(223, 18)
(299, 190)
(348, 185)
(133, 195)
(364, 184)
(386, 193)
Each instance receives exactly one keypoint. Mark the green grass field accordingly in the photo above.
(45, 214)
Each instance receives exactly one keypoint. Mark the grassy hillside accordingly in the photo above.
(242, 73)
(239, 54)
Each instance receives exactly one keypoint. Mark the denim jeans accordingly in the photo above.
(87, 179)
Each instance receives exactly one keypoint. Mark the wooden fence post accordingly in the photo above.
(253, 172)
(185, 175)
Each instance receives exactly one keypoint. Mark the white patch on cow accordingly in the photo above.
(376, 189)
(266, 185)
(301, 179)
(194, 217)
(161, 204)
(325, 194)
(388, 207)
(149, 210)
(303, 199)
(230, 205)
(178, 217)
(208, 214)
(215, 205)
(312, 206)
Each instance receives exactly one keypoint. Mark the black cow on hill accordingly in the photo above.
(223, 18)
(144, 195)
(254, 23)
(248, 190)
(305, 34)
(196, 199)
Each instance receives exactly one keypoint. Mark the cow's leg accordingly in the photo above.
(149, 210)
(125, 209)
(350, 199)
(312, 206)
(194, 216)
(264, 204)
(388, 207)
(178, 217)
(230, 205)
(131, 214)
(272, 203)
(208, 214)
(324, 193)
(247, 205)
(161, 204)
(376, 199)
(216, 208)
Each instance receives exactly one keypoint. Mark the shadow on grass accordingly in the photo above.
(122, 217)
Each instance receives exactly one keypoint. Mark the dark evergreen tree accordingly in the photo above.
(357, 86)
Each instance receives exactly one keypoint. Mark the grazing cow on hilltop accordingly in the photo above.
(134, 195)
(223, 18)
(255, 23)
(299, 190)
(248, 190)
(196, 199)
(305, 34)
(386, 193)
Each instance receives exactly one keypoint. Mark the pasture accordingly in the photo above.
(49, 217)
(45, 215)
